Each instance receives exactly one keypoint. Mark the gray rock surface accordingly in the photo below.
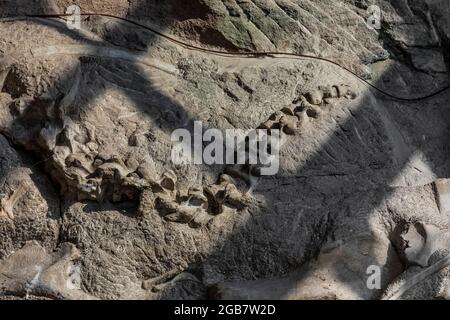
(86, 173)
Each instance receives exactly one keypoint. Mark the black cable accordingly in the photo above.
(251, 54)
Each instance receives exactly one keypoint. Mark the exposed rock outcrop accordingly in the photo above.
(93, 206)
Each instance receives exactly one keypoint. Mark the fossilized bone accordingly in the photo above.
(422, 241)
(8, 202)
(199, 206)
(442, 189)
(150, 284)
(418, 244)
(419, 277)
(33, 271)
(289, 120)
(181, 277)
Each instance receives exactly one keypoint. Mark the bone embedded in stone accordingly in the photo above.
(314, 97)
(442, 189)
(168, 180)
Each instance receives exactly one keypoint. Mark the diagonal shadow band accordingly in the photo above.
(337, 144)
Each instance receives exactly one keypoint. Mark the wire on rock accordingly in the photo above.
(249, 54)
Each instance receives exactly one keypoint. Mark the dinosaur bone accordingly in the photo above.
(33, 271)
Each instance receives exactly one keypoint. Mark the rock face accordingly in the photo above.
(92, 204)
(29, 206)
(32, 271)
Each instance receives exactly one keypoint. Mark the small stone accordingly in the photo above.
(72, 161)
(344, 91)
(328, 100)
(312, 113)
(137, 140)
(216, 195)
(288, 125)
(132, 163)
(165, 205)
(184, 214)
(329, 91)
(303, 102)
(104, 156)
(196, 197)
(98, 163)
(145, 172)
(301, 116)
(266, 125)
(288, 111)
(276, 116)
(200, 219)
(314, 97)
(234, 198)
